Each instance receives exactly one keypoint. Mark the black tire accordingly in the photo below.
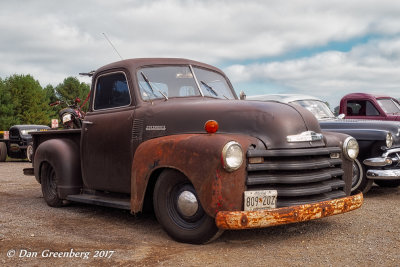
(359, 181)
(196, 228)
(29, 152)
(3, 151)
(48, 181)
(388, 183)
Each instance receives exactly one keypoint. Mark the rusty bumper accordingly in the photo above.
(235, 220)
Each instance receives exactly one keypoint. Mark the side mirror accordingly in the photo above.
(242, 95)
(341, 116)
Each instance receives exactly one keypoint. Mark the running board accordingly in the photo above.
(112, 202)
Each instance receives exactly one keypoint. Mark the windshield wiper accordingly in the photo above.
(209, 88)
(151, 87)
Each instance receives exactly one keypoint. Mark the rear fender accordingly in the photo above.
(63, 155)
(198, 157)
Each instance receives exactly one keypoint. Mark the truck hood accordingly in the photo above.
(271, 122)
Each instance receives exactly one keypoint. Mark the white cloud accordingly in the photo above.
(373, 67)
(53, 39)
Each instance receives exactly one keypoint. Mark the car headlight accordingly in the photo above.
(232, 156)
(350, 148)
(66, 118)
(389, 140)
(25, 132)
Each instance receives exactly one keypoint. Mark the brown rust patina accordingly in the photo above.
(235, 220)
(199, 158)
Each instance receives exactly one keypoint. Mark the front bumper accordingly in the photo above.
(386, 167)
(235, 220)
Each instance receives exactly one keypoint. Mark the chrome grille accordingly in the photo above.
(300, 176)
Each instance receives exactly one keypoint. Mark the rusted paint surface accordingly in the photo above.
(198, 157)
(236, 220)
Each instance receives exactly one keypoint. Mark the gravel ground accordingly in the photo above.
(91, 235)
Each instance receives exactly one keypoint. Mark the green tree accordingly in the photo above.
(7, 118)
(29, 102)
(51, 97)
(72, 88)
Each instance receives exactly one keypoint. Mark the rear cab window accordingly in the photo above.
(111, 91)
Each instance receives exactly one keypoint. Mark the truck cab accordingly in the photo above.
(171, 134)
(369, 106)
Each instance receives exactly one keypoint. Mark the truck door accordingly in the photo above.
(106, 136)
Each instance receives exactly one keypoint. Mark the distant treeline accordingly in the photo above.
(24, 101)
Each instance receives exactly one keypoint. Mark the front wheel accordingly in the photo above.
(178, 209)
(388, 183)
(359, 181)
(29, 152)
(48, 181)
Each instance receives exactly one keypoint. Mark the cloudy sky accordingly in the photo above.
(322, 48)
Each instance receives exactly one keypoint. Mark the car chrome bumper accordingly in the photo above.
(384, 174)
(390, 159)
(235, 220)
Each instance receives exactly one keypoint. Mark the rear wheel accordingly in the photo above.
(388, 183)
(49, 185)
(3, 151)
(359, 181)
(178, 209)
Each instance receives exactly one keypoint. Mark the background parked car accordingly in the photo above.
(371, 107)
(19, 144)
(379, 141)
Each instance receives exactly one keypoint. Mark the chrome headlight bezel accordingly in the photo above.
(351, 148)
(232, 156)
(389, 140)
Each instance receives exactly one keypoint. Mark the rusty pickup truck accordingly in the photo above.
(172, 136)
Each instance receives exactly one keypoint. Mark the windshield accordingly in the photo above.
(318, 108)
(181, 81)
(389, 106)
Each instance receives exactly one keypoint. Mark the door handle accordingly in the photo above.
(88, 122)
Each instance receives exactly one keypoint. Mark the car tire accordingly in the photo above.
(360, 183)
(29, 152)
(179, 211)
(3, 151)
(388, 183)
(48, 179)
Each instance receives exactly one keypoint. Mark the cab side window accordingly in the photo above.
(361, 108)
(111, 91)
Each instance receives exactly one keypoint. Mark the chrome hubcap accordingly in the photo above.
(187, 203)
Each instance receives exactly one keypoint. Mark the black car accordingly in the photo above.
(19, 144)
(379, 141)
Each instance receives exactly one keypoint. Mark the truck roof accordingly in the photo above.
(365, 95)
(135, 63)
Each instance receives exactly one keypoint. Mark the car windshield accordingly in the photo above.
(318, 108)
(181, 81)
(389, 106)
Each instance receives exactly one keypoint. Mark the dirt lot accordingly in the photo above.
(31, 233)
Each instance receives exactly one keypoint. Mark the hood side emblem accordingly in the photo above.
(304, 137)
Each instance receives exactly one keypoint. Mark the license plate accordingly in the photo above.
(259, 200)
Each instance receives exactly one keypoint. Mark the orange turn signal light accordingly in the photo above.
(211, 126)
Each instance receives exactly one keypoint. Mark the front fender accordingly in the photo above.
(63, 156)
(198, 157)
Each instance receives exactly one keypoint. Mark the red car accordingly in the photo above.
(371, 107)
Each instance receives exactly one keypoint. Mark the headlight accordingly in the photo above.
(389, 140)
(350, 148)
(25, 132)
(66, 118)
(232, 156)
